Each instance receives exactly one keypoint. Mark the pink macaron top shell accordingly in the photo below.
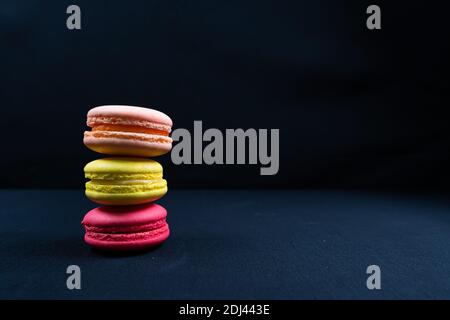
(131, 113)
(125, 217)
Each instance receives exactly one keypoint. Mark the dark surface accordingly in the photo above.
(355, 108)
(235, 245)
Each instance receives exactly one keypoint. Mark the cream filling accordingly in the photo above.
(127, 229)
(124, 182)
(125, 186)
(127, 236)
(128, 135)
(98, 120)
(123, 176)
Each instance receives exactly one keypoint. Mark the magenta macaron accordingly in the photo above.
(126, 228)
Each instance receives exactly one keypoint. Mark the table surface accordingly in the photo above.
(240, 244)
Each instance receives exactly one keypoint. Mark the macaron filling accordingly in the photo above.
(128, 136)
(122, 176)
(125, 228)
(122, 183)
(129, 128)
(102, 236)
(125, 186)
(124, 124)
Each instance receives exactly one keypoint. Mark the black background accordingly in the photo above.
(355, 108)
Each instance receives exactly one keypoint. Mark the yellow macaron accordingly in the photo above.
(124, 181)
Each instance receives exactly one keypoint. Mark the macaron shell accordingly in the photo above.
(131, 244)
(111, 216)
(130, 112)
(126, 146)
(123, 165)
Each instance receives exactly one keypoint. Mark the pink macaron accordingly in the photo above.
(128, 130)
(126, 228)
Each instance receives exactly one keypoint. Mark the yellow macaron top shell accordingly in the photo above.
(123, 168)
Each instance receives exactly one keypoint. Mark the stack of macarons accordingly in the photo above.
(127, 183)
